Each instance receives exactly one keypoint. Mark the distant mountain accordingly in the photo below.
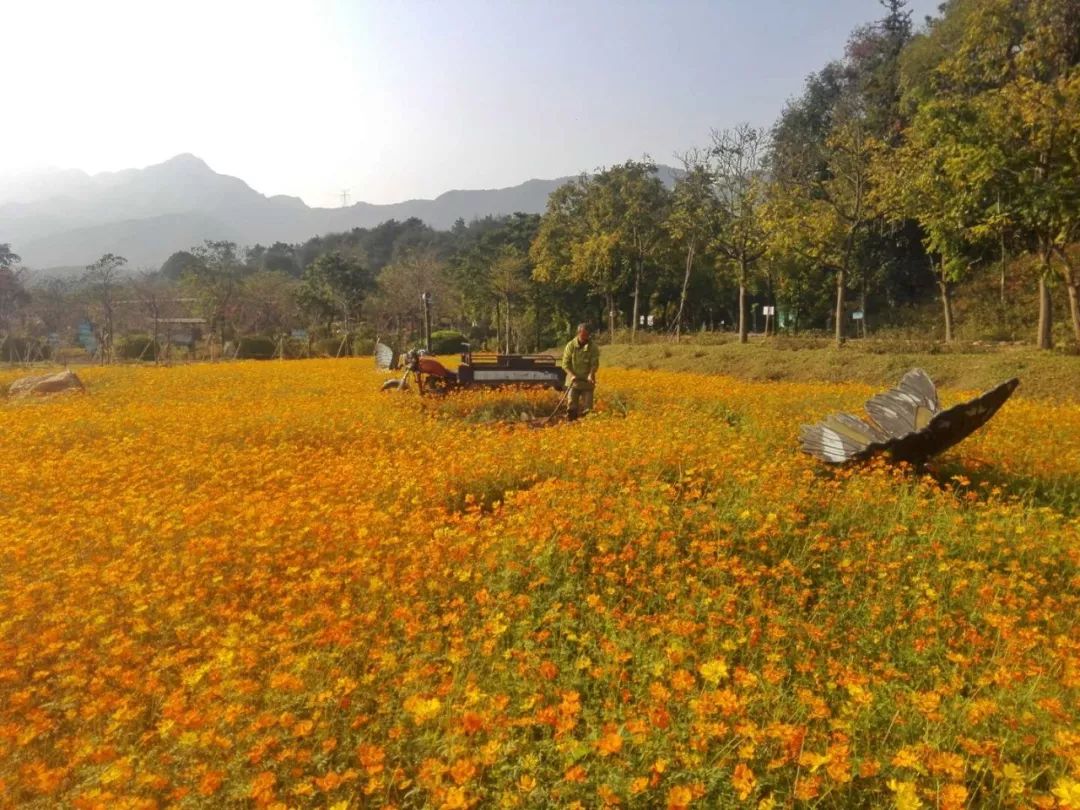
(69, 218)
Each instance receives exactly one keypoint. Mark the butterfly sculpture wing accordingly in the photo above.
(907, 422)
(384, 356)
(908, 407)
(952, 426)
(842, 437)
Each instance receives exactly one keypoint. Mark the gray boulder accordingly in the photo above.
(46, 384)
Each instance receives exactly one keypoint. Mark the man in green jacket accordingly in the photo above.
(581, 359)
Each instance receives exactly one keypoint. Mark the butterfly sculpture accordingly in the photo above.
(384, 356)
(906, 422)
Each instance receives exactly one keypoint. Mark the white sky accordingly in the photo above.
(398, 99)
(108, 84)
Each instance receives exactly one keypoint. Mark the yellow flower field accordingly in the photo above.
(271, 585)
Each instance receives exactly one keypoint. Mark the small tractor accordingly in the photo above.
(488, 369)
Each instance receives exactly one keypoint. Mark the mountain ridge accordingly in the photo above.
(68, 218)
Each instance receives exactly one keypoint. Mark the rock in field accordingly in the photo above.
(46, 384)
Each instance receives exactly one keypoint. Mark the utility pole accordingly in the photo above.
(426, 300)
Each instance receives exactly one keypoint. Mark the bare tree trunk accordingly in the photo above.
(637, 293)
(1046, 312)
(1071, 284)
(508, 326)
(840, 308)
(862, 308)
(106, 337)
(841, 284)
(685, 286)
(1074, 310)
(611, 316)
(742, 313)
(946, 301)
(1004, 264)
(157, 348)
(742, 302)
(536, 321)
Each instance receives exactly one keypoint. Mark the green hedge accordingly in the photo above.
(138, 347)
(447, 341)
(256, 347)
(16, 349)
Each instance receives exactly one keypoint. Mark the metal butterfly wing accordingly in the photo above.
(384, 356)
(906, 422)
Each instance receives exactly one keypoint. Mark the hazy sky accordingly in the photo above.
(394, 100)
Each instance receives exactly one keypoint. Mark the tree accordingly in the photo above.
(509, 281)
(741, 238)
(845, 193)
(103, 281)
(817, 208)
(873, 57)
(845, 111)
(177, 264)
(13, 292)
(1040, 125)
(577, 242)
(268, 303)
(335, 287)
(54, 306)
(1012, 67)
(693, 219)
(798, 137)
(637, 201)
(155, 295)
(603, 230)
(213, 279)
(278, 258)
(889, 254)
(396, 304)
(490, 276)
(934, 178)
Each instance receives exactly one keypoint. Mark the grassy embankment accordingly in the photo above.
(1043, 375)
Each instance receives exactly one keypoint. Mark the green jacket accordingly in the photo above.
(581, 361)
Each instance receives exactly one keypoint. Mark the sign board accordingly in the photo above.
(769, 310)
(857, 315)
(86, 337)
(299, 334)
(641, 320)
(651, 320)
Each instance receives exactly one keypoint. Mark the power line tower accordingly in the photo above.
(344, 198)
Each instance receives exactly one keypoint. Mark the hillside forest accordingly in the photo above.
(925, 182)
